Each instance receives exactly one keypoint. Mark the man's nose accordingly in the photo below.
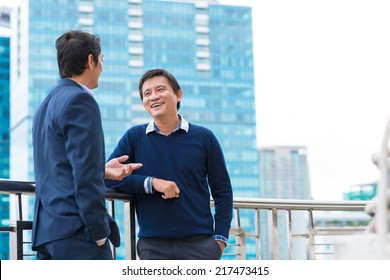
(154, 95)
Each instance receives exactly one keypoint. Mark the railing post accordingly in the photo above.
(14, 238)
(258, 236)
(289, 236)
(311, 240)
(129, 225)
(275, 238)
(111, 211)
(239, 233)
(19, 208)
(17, 240)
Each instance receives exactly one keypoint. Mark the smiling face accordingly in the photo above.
(159, 98)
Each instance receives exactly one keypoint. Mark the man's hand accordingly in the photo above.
(168, 189)
(101, 242)
(115, 170)
(222, 245)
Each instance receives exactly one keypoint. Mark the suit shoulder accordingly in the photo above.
(72, 91)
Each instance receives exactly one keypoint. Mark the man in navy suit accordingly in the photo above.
(70, 218)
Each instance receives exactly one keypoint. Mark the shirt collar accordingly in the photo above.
(182, 125)
(86, 89)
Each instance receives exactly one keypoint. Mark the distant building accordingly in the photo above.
(361, 191)
(5, 16)
(284, 174)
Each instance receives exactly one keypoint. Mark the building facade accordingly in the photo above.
(284, 174)
(4, 138)
(5, 13)
(207, 46)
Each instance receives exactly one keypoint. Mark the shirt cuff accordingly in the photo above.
(221, 238)
(148, 185)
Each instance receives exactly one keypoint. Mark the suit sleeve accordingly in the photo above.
(134, 183)
(84, 144)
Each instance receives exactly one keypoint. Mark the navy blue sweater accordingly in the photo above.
(195, 162)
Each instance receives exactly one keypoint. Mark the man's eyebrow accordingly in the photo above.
(156, 87)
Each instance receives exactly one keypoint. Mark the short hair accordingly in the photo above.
(159, 72)
(73, 49)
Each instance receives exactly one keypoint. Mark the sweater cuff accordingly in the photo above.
(221, 238)
(148, 185)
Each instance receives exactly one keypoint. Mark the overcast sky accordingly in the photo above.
(322, 72)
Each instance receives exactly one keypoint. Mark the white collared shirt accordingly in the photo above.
(153, 127)
(86, 89)
(182, 125)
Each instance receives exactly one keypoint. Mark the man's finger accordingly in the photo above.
(134, 166)
(123, 158)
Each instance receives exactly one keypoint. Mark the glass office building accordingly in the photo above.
(207, 46)
(5, 13)
(4, 138)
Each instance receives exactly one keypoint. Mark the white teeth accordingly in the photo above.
(155, 105)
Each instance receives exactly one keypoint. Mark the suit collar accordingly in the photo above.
(66, 81)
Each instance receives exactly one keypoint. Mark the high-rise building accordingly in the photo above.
(284, 174)
(4, 125)
(207, 46)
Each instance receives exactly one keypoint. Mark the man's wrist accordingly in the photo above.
(221, 238)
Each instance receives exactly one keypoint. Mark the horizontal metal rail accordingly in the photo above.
(296, 204)
(274, 207)
(17, 228)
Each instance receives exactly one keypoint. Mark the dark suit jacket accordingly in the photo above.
(69, 163)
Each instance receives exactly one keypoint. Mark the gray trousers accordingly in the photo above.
(201, 247)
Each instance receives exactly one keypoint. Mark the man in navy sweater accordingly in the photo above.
(182, 164)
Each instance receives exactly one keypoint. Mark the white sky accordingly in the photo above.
(322, 74)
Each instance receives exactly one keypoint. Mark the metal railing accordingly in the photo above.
(276, 209)
(265, 211)
(19, 226)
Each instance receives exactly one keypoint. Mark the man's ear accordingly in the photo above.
(91, 62)
(179, 95)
